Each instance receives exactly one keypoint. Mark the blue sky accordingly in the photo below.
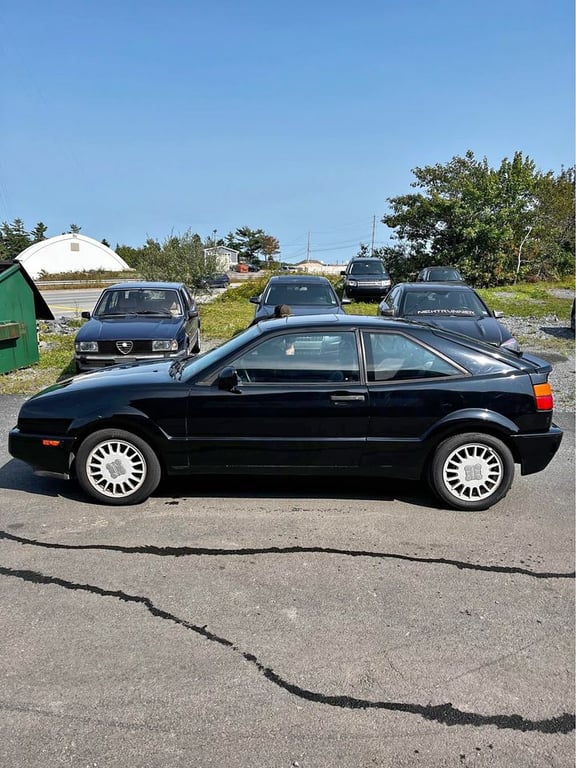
(139, 118)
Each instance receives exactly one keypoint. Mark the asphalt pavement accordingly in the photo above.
(286, 623)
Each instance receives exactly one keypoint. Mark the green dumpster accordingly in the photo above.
(21, 304)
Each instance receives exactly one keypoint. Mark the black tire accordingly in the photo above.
(116, 467)
(196, 348)
(472, 471)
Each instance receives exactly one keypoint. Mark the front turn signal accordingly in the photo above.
(543, 397)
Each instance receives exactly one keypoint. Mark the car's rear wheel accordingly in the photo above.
(116, 467)
(472, 471)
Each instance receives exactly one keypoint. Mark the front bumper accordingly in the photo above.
(31, 449)
(86, 362)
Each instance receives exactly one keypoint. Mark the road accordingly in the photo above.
(282, 623)
(71, 302)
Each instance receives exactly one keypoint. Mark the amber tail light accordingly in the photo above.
(543, 397)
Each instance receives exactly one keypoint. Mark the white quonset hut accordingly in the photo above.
(69, 253)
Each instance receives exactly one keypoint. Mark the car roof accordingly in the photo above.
(429, 286)
(440, 266)
(144, 284)
(298, 279)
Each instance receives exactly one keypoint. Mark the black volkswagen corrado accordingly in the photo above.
(322, 394)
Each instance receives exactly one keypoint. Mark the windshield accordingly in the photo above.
(462, 303)
(368, 268)
(193, 365)
(301, 294)
(440, 273)
(139, 301)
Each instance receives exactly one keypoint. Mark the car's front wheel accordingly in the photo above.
(116, 467)
(472, 471)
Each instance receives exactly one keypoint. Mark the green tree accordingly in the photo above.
(252, 244)
(177, 258)
(486, 222)
(13, 239)
(39, 232)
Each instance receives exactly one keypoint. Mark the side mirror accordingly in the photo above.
(228, 379)
(342, 271)
(386, 311)
(254, 299)
(346, 300)
(85, 315)
(498, 313)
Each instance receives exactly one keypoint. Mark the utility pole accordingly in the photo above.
(308, 248)
(373, 230)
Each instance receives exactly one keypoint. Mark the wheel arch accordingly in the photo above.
(137, 424)
(486, 422)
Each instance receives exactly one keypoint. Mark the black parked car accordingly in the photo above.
(304, 294)
(454, 307)
(440, 275)
(366, 279)
(221, 280)
(138, 321)
(324, 394)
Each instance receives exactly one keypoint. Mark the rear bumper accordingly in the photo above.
(536, 451)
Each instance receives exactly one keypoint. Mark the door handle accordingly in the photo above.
(346, 398)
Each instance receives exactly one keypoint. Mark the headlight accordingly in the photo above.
(164, 345)
(86, 346)
(511, 344)
(353, 283)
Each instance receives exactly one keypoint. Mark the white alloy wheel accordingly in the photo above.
(472, 471)
(117, 467)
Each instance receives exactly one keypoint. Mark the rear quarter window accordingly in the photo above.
(478, 362)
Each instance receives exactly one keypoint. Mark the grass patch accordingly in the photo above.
(532, 299)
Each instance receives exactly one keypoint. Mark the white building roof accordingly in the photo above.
(69, 253)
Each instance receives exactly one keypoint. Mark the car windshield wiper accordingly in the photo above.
(161, 312)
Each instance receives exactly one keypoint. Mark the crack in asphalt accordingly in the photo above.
(149, 549)
(445, 713)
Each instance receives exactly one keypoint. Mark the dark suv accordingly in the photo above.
(366, 278)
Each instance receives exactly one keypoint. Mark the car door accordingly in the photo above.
(300, 405)
(412, 386)
(192, 320)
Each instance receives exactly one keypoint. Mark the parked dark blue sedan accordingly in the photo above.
(304, 395)
(304, 294)
(138, 321)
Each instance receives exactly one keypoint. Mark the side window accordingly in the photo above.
(395, 357)
(301, 359)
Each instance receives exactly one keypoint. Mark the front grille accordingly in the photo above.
(143, 346)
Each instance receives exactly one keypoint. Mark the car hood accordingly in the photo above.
(112, 329)
(483, 328)
(84, 386)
